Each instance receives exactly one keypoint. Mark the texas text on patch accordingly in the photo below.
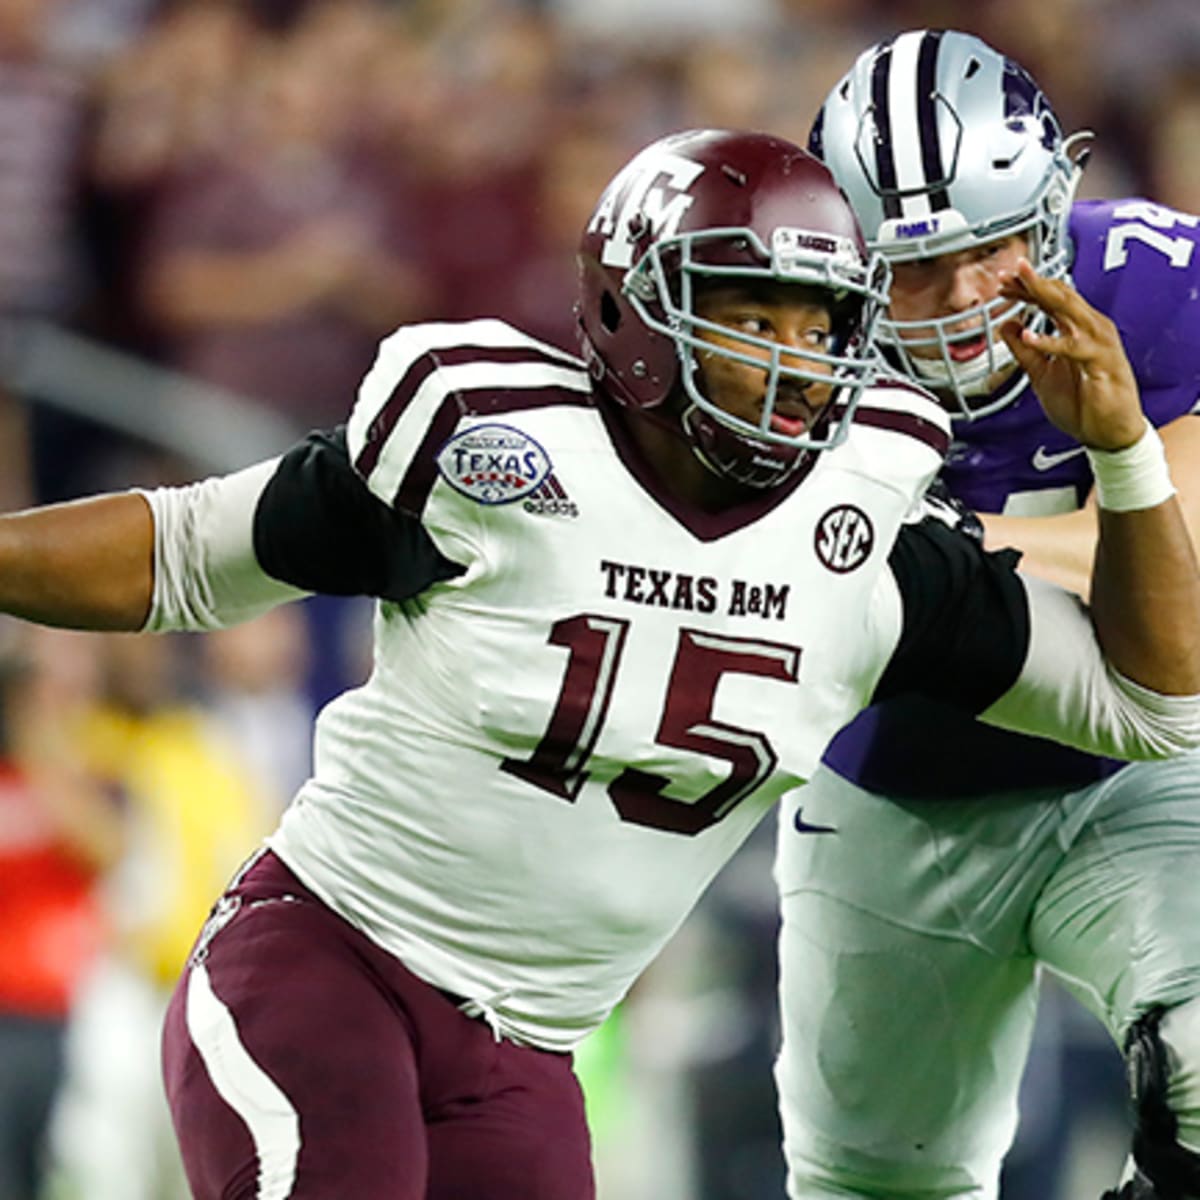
(493, 464)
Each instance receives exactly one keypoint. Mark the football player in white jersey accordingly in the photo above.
(965, 858)
(624, 602)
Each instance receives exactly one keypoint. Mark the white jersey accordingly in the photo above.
(558, 749)
(585, 695)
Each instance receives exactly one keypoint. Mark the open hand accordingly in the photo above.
(1079, 370)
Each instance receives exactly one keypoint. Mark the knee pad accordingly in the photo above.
(1161, 1044)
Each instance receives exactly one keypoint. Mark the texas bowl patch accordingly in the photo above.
(493, 464)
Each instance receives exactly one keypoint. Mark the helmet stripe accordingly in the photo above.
(910, 171)
(904, 131)
(931, 149)
(885, 162)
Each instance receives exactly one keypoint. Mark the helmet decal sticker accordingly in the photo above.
(655, 187)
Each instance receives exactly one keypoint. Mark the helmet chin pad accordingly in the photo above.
(963, 378)
(964, 382)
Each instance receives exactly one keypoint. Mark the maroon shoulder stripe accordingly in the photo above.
(385, 419)
(418, 480)
(908, 423)
(421, 475)
(418, 371)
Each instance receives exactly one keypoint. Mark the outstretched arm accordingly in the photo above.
(1145, 590)
(172, 558)
(88, 564)
(216, 552)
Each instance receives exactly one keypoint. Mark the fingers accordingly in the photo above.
(1079, 368)
(1030, 356)
(1067, 344)
(1080, 331)
(1055, 297)
(1024, 283)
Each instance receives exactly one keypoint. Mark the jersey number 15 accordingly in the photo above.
(595, 645)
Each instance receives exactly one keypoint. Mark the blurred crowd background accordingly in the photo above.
(210, 211)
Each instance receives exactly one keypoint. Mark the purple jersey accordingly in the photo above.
(1139, 263)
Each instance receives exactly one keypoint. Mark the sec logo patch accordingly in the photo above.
(493, 464)
(844, 538)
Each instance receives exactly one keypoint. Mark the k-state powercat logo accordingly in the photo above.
(844, 538)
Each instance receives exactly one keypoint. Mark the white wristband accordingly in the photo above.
(1134, 478)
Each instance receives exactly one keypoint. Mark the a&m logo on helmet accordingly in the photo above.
(649, 196)
(493, 464)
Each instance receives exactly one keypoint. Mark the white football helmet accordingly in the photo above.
(942, 144)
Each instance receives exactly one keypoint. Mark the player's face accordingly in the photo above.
(792, 317)
(940, 287)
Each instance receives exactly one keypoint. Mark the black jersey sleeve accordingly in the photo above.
(317, 526)
(965, 630)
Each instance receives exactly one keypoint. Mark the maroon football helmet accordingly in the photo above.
(717, 204)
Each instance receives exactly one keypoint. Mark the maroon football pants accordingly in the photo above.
(302, 1062)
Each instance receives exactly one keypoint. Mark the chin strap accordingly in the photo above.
(739, 458)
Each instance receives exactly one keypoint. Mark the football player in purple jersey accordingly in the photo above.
(965, 858)
(625, 600)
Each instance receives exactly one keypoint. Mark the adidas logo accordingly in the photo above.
(550, 500)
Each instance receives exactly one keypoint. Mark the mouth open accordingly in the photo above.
(965, 349)
(788, 426)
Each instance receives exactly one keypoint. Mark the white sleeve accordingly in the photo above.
(1068, 691)
(206, 575)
